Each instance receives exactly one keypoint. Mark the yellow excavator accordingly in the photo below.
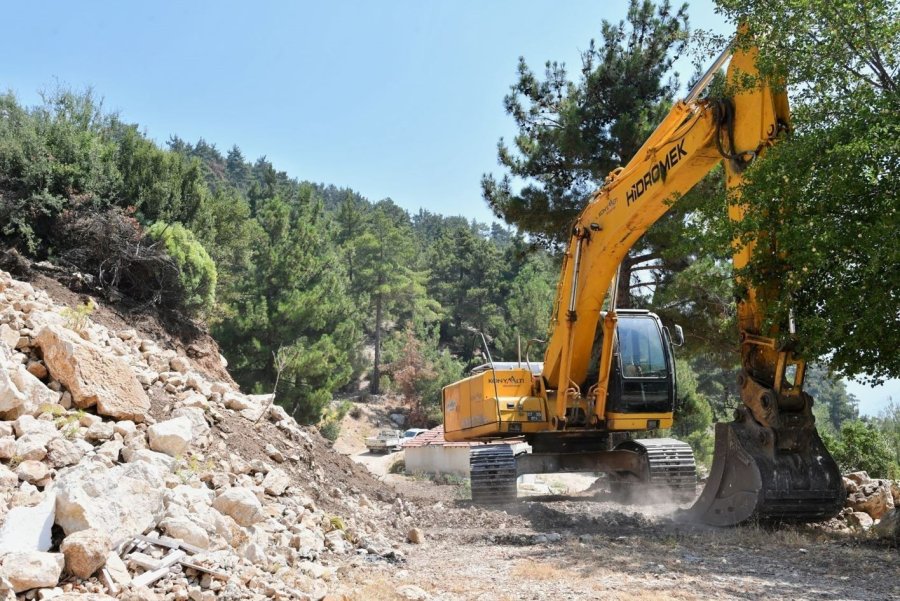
(579, 409)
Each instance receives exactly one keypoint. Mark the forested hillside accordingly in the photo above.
(311, 284)
(323, 291)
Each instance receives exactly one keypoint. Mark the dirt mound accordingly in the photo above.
(131, 464)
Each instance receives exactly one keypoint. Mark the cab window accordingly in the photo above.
(641, 349)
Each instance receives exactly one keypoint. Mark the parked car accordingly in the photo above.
(385, 442)
(412, 433)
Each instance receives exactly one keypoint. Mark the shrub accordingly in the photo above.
(862, 447)
(196, 270)
(109, 247)
(330, 426)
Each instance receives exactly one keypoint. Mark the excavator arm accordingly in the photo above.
(695, 136)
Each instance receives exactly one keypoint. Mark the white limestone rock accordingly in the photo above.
(241, 505)
(93, 376)
(121, 501)
(86, 551)
(32, 569)
(171, 437)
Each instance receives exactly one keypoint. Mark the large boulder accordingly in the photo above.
(172, 436)
(31, 471)
(62, 452)
(11, 398)
(33, 395)
(28, 528)
(85, 551)
(32, 569)
(199, 425)
(873, 497)
(241, 505)
(121, 501)
(20, 392)
(92, 376)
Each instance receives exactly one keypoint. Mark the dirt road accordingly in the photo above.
(585, 546)
(590, 548)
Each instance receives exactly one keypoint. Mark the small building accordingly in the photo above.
(429, 453)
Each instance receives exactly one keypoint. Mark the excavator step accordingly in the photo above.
(493, 474)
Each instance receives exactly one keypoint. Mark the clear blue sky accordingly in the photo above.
(399, 99)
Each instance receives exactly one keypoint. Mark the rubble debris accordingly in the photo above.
(124, 446)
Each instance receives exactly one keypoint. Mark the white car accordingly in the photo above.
(412, 433)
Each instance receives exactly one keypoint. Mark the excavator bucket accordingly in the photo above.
(754, 476)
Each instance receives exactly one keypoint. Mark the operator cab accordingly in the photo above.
(642, 376)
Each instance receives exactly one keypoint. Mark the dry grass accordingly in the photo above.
(529, 569)
(647, 595)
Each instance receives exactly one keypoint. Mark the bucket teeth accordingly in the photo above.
(751, 478)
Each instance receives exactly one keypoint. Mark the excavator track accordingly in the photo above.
(670, 467)
(493, 474)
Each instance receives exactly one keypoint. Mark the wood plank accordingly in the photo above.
(200, 568)
(144, 561)
(171, 543)
(107, 581)
(165, 565)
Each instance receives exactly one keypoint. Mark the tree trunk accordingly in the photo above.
(376, 371)
(623, 294)
(625, 273)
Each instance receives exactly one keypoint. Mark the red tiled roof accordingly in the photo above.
(435, 437)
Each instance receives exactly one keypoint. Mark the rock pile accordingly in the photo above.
(870, 501)
(110, 444)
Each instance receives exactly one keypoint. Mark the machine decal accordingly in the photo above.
(655, 173)
(507, 380)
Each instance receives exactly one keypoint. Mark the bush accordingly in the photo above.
(109, 247)
(330, 426)
(862, 447)
(196, 270)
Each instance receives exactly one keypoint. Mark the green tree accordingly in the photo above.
(224, 227)
(833, 404)
(384, 274)
(827, 197)
(465, 279)
(693, 414)
(53, 157)
(529, 290)
(236, 169)
(196, 270)
(420, 369)
(888, 423)
(161, 185)
(294, 303)
(571, 135)
(350, 218)
(862, 446)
